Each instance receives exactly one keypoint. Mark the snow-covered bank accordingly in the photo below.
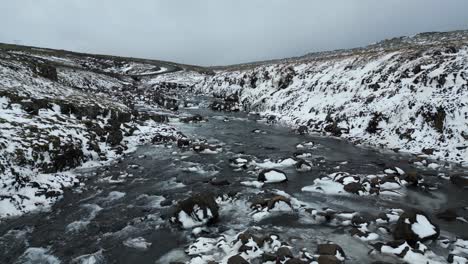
(57, 117)
(409, 94)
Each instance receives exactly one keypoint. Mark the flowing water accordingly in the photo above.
(117, 205)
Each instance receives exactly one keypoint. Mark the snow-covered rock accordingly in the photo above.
(409, 93)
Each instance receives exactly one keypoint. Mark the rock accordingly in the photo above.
(272, 176)
(414, 226)
(283, 253)
(303, 165)
(331, 250)
(456, 259)
(268, 257)
(183, 142)
(398, 247)
(160, 138)
(412, 178)
(115, 136)
(237, 259)
(46, 70)
(197, 210)
(459, 180)
(448, 215)
(216, 182)
(325, 259)
(295, 261)
(192, 119)
(354, 187)
(302, 130)
(246, 237)
(270, 203)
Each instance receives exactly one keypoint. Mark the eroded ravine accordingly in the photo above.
(121, 213)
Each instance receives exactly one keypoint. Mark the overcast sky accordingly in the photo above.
(215, 32)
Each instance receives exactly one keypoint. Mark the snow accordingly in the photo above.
(38, 255)
(422, 227)
(255, 184)
(137, 243)
(341, 88)
(196, 219)
(325, 185)
(274, 177)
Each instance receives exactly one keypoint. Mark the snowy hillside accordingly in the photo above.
(59, 112)
(408, 94)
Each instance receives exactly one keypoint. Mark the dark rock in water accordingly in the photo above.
(295, 261)
(302, 130)
(269, 202)
(271, 119)
(269, 257)
(199, 147)
(303, 165)
(333, 129)
(428, 151)
(155, 117)
(230, 104)
(353, 187)
(183, 142)
(246, 237)
(160, 138)
(237, 259)
(412, 178)
(414, 226)
(456, 259)
(234, 98)
(326, 259)
(192, 119)
(330, 250)
(168, 103)
(201, 208)
(459, 180)
(401, 252)
(283, 253)
(272, 176)
(216, 182)
(448, 215)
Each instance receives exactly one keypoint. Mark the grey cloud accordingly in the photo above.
(213, 32)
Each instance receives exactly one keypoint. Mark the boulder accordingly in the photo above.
(272, 176)
(192, 119)
(197, 210)
(414, 226)
(284, 253)
(331, 250)
(354, 187)
(303, 165)
(237, 259)
(326, 259)
(302, 130)
(459, 180)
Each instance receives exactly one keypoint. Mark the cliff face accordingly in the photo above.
(407, 93)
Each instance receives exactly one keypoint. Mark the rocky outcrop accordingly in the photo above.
(412, 98)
